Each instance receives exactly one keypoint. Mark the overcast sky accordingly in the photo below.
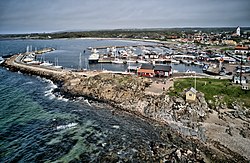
(27, 16)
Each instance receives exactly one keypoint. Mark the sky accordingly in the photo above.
(31, 16)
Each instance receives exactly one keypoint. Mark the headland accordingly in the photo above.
(194, 122)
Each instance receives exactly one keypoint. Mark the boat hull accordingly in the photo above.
(93, 61)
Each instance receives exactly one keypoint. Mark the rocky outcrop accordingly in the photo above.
(128, 93)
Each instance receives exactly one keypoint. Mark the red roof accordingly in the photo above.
(145, 70)
(241, 48)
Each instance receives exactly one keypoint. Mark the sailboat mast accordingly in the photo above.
(80, 61)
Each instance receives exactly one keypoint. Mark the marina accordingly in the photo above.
(112, 58)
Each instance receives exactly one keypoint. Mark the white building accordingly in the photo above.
(238, 31)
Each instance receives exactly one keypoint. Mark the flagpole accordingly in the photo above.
(195, 80)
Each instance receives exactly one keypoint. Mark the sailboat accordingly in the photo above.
(80, 61)
(46, 63)
(56, 64)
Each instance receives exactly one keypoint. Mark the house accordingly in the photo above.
(146, 70)
(191, 94)
(162, 70)
(245, 87)
(229, 42)
(239, 80)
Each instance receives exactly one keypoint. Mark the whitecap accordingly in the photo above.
(87, 101)
(116, 126)
(70, 125)
(27, 83)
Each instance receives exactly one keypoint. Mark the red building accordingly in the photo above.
(149, 70)
(146, 70)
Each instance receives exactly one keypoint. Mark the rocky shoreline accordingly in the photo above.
(186, 121)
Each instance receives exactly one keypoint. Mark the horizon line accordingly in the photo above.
(113, 29)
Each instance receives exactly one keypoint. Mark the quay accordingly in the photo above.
(134, 46)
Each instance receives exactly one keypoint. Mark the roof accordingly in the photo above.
(237, 77)
(147, 66)
(192, 90)
(162, 68)
(132, 68)
(241, 48)
(145, 70)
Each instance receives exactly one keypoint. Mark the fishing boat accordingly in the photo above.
(94, 57)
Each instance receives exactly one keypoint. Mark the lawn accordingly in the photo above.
(211, 87)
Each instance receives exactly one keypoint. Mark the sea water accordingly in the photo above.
(37, 125)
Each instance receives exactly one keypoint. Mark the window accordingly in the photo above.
(190, 95)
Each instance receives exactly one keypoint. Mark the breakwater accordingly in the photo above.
(128, 93)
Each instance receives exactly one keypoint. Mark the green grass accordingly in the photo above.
(228, 92)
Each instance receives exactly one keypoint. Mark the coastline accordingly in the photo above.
(122, 95)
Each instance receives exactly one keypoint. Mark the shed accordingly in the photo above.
(146, 70)
(191, 94)
(162, 70)
(245, 87)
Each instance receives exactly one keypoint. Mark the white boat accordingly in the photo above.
(1, 60)
(28, 59)
(186, 62)
(118, 61)
(175, 61)
(56, 64)
(190, 71)
(94, 51)
(94, 57)
(34, 62)
(45, 63)
(198, 63)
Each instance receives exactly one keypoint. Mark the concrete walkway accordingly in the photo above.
(158, 87)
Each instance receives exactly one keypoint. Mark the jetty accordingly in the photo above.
(134, 46)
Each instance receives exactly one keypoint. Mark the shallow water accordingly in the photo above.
(36, 126)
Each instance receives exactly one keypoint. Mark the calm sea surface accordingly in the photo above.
(37, 126)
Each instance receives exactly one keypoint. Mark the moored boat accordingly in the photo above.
(94, 57)
(1, 60)
(119, 61)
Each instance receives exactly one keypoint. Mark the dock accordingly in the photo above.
(134, 46)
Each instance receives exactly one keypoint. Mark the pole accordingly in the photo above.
(241, 62)
(195, 80)
(80, 61)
